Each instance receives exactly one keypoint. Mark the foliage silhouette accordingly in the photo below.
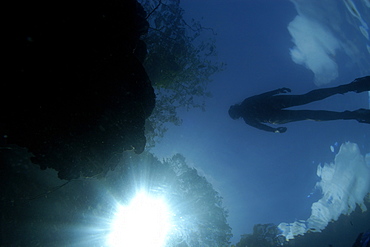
(199, 217)
(180, 61)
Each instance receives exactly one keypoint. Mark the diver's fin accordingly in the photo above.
(361, 84)
(363, 115)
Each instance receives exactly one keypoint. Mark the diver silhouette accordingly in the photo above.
(270, 107)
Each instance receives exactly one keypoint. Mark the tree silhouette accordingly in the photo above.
(199, 218)
(180, 62)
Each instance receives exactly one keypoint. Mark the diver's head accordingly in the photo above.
(235, 111)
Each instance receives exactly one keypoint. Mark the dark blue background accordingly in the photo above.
(264, 177)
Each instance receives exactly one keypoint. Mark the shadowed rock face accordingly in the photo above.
(77, 96)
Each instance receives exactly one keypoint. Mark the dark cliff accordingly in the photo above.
(77, 95)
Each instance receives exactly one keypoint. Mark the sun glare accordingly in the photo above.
(144, 222)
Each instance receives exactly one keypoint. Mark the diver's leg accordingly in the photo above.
(361, 115)
(358, 85)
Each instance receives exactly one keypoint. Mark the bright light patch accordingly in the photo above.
(145, 222)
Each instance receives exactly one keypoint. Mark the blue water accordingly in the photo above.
(258, 179)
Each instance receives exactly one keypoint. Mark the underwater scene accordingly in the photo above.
(193, 123)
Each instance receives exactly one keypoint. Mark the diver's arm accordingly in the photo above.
(274, 92)
(263, 96)
(264, 127)
(257, 99)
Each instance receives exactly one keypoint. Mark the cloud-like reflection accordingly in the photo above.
(314, 48)
(318, 37)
